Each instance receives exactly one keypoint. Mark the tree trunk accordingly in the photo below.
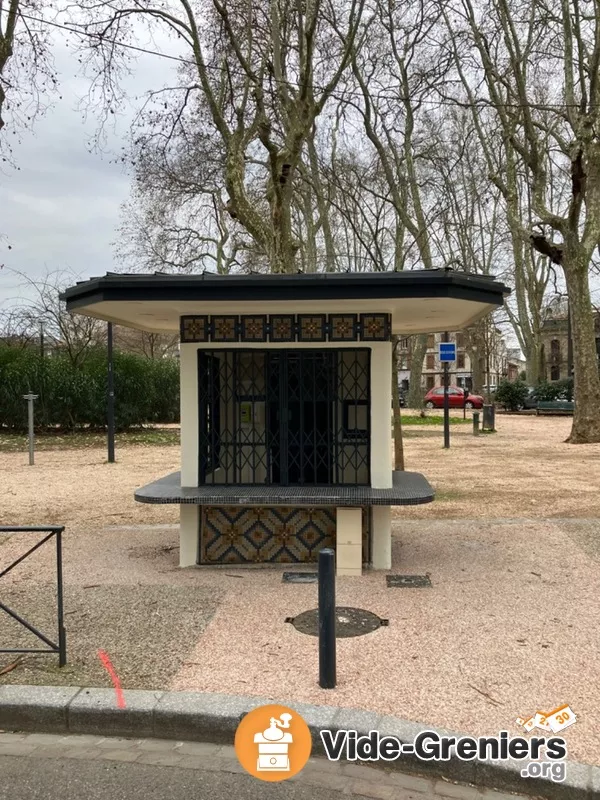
(309, 251)
(283, 248)
(586, 419)
(476, 349)
(322, 205)
(542, 363)
(477, 371)
(415, 392)
(397, 426)
(532, 364)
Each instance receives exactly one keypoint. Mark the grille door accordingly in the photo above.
(284, 417)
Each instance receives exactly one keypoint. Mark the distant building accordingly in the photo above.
(555, 344)
(461, 370)
(515, 363)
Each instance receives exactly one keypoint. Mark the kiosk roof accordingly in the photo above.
(419, 301)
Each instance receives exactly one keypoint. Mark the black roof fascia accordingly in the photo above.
(321, 286)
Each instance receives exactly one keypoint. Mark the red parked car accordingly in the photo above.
(456, 398)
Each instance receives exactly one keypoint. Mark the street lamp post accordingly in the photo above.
(30, 399)
(110, 411)
(446, 338)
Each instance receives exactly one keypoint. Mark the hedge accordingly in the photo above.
(512, 394)
(558, 390)
(146, 390)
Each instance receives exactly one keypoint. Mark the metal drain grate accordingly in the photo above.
(300, 577)
(408, 581)
(348, 622)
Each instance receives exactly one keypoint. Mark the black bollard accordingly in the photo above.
(327, 676)
(476, 423)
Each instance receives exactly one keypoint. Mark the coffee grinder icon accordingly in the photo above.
(273, 746)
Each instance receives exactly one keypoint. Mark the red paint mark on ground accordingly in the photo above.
(107, 664)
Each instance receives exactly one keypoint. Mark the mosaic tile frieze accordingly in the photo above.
(282, 328)
(254, 329)
(224, 329)
(375, 327)
(287, 328)
(343, 327)
(275, 534)
(194, 329)
(312, 328)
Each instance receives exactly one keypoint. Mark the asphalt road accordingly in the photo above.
(62, 779)
(38, 766)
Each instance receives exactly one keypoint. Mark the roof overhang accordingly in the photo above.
(419, 301)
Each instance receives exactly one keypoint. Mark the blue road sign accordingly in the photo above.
(447, 351)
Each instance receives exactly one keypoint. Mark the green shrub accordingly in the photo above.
(71, 397)
(558, 390)
(512, 394)
(545, 391)
(565, 389)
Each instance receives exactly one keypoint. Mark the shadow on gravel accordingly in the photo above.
(148, 632)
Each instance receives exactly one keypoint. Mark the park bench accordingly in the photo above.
(555, 407)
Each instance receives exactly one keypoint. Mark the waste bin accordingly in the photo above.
(489, 418)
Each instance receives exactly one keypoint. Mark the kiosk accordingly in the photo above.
(286, 403)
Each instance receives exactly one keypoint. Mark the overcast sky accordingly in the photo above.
(61, 208)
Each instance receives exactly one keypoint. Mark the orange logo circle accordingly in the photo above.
(273, 743)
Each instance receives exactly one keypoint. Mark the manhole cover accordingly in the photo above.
(349, 622)
(300, 577)
(410, 581)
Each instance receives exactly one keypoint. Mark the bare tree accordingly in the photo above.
(40, 304)
(539, 64)
(25, 64)
(150, 345)
(259, 76)
(17, 329)
(401, 55)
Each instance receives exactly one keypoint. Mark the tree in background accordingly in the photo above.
(540, 66)
(26, 72)
(258, 76)
(40, 313)
(359, 136)
(150, 345)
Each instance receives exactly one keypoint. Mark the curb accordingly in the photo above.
(199, 717)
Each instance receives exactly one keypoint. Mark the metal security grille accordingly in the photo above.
(284, 417)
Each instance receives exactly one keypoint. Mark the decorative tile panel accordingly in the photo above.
(282, 328)
(375, 327)
(287, 328)
(312, 327)
(224, 329)
(343, 327)
(254, 329)
(194, 329)
(279, 534)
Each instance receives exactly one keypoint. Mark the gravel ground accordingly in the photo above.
(508, 628)
(124, 594)
(147, 631)
(524, 469)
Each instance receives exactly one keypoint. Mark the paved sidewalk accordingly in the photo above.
(340, 780)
